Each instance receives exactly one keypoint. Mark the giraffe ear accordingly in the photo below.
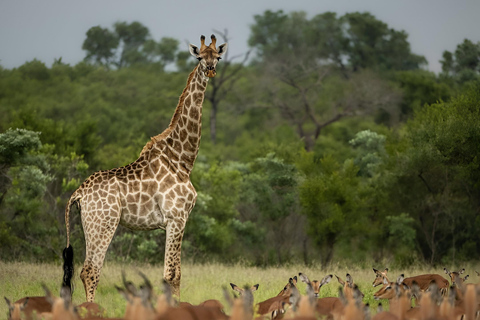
(194, 51)
(222, 49)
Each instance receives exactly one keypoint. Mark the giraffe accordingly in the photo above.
(152, 192)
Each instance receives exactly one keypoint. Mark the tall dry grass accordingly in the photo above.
(199, 282)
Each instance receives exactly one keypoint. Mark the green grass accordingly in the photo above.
(199, 282)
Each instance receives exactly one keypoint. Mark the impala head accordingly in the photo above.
(242, 307)
(379, 276)
(304, 306)
(287, 290)
(63, 308)
(316, 285)
(15, 310)
(277, 310)
(353, 306)
(208, 55)
(348, 286)
(390, 289)
(455, 276)
(242, 291)
(139, 305)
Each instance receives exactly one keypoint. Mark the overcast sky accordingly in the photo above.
(49, 29)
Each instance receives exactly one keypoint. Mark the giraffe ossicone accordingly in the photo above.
(150, 193)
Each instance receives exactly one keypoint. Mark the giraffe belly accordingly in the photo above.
(142, 220)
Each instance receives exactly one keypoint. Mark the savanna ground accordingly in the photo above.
(199, 282)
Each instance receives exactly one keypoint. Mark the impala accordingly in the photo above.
(275, 305)
(379, 276)
(389, 289)
(29, 306)
(455, 276)
(348, 286)
(353, 308)
(316, 285)
(423, 281)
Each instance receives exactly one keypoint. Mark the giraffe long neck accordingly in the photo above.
(181, 140)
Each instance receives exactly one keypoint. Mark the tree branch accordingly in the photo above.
(425, 182)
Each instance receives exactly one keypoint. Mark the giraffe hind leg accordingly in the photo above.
(97, 241)
(90, 276)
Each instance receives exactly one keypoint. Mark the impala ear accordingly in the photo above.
(340, 280)
(236, 288)
(349, 279)
(26, 301)
(326, 280)
(304, 278)
(124, 294)
(8, 303)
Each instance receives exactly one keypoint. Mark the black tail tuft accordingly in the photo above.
(68, 267)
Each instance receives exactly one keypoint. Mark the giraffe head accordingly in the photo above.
(208, 55)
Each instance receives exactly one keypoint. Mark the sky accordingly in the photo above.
(49, 29)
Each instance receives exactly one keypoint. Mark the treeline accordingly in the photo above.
(328, 142)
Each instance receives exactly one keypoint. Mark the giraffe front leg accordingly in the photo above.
(172, 269)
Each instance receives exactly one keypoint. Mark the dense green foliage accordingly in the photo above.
(328, 145)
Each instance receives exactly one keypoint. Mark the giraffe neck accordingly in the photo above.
(179, 143)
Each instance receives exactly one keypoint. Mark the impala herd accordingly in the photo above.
(432, 297)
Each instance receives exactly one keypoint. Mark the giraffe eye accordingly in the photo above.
(219, 58)
(199, 59)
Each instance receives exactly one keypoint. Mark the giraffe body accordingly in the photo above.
(150, 193)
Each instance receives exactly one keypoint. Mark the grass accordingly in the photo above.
(199, 282)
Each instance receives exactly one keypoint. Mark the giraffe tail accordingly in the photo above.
(68, 268)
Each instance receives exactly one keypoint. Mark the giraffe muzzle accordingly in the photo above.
(210, 72)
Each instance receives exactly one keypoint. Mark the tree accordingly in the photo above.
(357, 38)
(299, 60)
(371, 147)
(128, 44)
(331, 197)
(372, 44)
(35, 70)
(212, 220)
(437, 176)
(464, 63)
(132, 38)
(420, 87)
(17, 147)
(269, 198)
(23, 183)
(467, 56)
(101, 45)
